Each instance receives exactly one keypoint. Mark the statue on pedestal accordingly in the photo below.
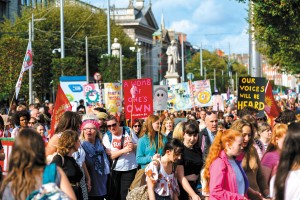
(115, 48)
(173, 57)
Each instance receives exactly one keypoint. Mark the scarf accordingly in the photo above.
(98, 155)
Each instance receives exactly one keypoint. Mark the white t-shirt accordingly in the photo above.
(292, 189)
(126, 161)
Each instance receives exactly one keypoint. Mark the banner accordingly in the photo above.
(251, 93)
(271, 107)
(218, 103)
(62, 105)
(160, 97)
(112, 93)
(27, 64)
(142, 105)
(202, 93)
(179, 96)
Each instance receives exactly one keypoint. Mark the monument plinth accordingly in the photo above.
(172, 78)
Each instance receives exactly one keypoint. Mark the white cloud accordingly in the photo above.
(185, 26)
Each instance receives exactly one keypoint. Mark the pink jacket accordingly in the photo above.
(222, 184)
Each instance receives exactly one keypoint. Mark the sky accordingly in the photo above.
(214, 24)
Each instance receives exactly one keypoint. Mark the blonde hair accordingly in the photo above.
(163, 128)
(178, 131)
(219, 144)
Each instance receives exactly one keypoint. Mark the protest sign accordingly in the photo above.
(251, 93)
(202, 93)
(142, 104)
(160, 97)
(112, 93)
(179, 96)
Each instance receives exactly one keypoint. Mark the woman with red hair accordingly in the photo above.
(226, 179)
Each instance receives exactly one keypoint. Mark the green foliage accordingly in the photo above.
(211, 61)
(79, 22)
(277, 31)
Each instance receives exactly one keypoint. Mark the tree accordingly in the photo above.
(80, 21)
(277, 28)
(210, 62)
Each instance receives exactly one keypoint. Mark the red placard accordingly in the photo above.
(142, 104)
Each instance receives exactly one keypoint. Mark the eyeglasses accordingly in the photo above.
(31, 122)
(89, 129)
(112, 125)
(135, 126)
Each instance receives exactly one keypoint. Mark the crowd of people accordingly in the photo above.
(197, 154)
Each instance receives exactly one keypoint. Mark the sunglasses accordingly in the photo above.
(135, 126)
(112, 125)
(31, 122)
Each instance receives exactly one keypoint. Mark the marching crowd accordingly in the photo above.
(197, 154)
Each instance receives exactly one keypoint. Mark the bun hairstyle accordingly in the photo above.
(219, 144)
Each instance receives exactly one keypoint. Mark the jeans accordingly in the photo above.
(122, 182)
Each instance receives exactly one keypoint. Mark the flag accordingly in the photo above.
(271, 107)
(62, 105)
(27, 64)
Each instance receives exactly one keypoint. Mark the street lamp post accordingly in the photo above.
(138, 59)
(31, 38)
(138, 49)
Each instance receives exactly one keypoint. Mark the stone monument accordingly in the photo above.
(173, 58)
(115, 48)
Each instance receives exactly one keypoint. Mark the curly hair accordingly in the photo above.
(289, 158)
(18, 114)
(69, 120)
(150, 132)
(279, 131)
(26, 163)
(219, 144)
(67, 141)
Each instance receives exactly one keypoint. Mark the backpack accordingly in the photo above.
(108, 133)
(49, 190)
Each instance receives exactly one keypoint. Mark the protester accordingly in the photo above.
(271, 158)
(136, 126)
(167, 127)
(225, 177)
(32, 121)
(264, 133)
(25, 175)
(69, 143)
(161, 181)
(102, 116)
(287, 179)
(151, 142)
(178, 131)
(41, 130)
(286, 117)
(258, 188)
(189, 166)
(120, 144)
(96, 160)
(20, 119)
(69, 120)
(208, 134)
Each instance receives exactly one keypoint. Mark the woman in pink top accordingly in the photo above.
(270, 160)
(225, 177)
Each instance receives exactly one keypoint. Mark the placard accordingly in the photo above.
(251, 93)
(141, 106)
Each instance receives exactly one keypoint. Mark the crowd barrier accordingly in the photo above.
(7, 144)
